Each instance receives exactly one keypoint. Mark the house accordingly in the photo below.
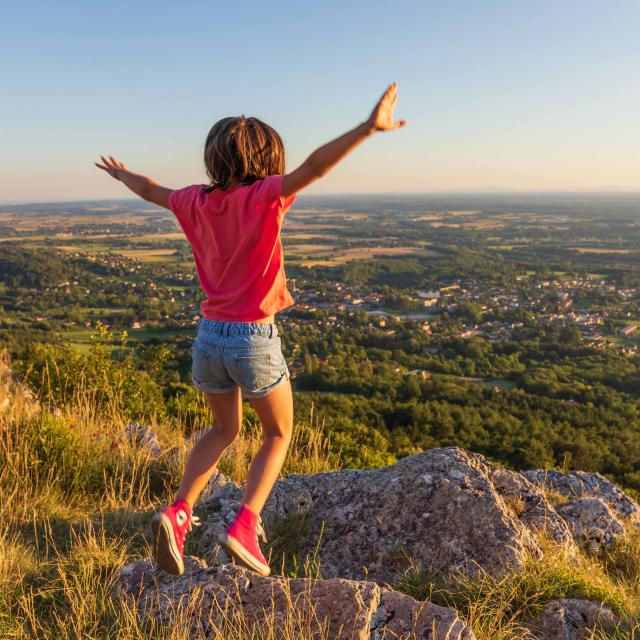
(428, 295)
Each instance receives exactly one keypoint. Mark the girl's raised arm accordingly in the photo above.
(322, 160)
(140, 185)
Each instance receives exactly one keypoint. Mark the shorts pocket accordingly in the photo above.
(253, 372)
(200, 366)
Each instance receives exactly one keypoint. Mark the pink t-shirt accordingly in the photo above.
(235, 238)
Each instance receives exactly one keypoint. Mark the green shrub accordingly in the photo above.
(107, 376)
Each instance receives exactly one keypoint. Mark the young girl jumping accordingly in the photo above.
(233, 225)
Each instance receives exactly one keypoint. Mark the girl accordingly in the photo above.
(233, 225)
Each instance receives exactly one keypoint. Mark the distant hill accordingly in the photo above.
(24, 268)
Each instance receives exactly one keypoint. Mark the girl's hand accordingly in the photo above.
(381, 118)
(111, 166)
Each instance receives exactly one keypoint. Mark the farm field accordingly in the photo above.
(326, 255)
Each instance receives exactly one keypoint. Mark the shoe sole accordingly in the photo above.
(241, 555)
(165, 549)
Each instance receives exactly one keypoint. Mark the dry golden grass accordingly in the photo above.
(499, 607)
(71, 594)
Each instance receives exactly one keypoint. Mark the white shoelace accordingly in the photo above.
(260, 531)
(194, 521)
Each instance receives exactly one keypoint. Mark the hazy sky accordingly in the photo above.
(499, 95)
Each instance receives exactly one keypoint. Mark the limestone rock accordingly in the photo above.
(215, 483)
(15, 395)
(343, 609)
(597, 511)
(592, 522)
(144, 437)
(445, 509)
(580, 484)
(572, 619)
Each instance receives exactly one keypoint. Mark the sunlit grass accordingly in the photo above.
(498, 607)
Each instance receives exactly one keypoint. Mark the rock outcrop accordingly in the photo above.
(581, 484)
(144, 437)
(592, 523)
(597, 511)
(337, 609)
(444, 510)
(572, 619)
(14, 395)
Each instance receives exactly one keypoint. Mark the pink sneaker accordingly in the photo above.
(241, 541)
(169, 528)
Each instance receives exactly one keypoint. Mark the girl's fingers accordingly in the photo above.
(390, 97)
(400, 123)
(111, 163)
(385, 94)
(100, 166)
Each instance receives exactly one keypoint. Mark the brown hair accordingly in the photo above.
(242, 150)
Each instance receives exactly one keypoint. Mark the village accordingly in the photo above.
(595, 308)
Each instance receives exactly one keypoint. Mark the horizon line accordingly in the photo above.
(440, 192)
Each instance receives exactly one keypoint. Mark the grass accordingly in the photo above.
(555, 498)
(78, 496)
(82, 339)
(287, 538)
(499, 607)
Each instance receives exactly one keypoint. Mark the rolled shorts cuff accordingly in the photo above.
(207, 389)
(261, 393)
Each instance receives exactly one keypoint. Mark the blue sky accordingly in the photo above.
(499, 95)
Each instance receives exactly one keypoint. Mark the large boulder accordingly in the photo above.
(225, 596)
(444, 510)
(596, 510)
(572, 619)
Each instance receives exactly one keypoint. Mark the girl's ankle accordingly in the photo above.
(247, 517)
(180, 503)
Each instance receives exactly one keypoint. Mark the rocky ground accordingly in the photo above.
(445, 510)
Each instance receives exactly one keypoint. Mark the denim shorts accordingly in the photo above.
(231, 354)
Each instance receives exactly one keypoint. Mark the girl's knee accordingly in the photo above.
(281, 431)
(229, 434)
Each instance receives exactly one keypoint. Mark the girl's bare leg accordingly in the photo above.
(275, 411)
(202, 461)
